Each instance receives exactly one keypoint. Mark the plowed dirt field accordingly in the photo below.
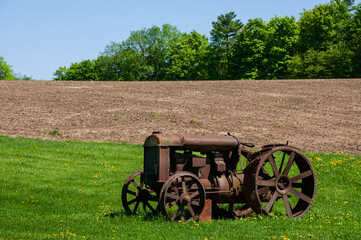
(314, 115)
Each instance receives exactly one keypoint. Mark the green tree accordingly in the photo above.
(249, 50)
(159, 43)
(223, 38)
(143, 56)
(354, 40)
(280, 47)
(263, 50)
(6, 72)
(83, 71)
(324, 50)
(330, 63)
(186, 57)
(60, 74)
(120, 62)
(324, 25)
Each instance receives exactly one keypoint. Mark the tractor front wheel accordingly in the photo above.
(182, 197)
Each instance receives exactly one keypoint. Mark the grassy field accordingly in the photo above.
(72, 190)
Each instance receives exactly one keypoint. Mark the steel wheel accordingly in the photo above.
(135, 193)
(182, 197)
(281, 173)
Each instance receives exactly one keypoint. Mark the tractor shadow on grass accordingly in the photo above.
(147, 217)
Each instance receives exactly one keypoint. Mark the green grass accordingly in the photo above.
(56, 190)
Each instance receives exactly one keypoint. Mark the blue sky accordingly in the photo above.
(39, 36)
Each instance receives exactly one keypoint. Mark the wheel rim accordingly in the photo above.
(136, 195)
(182, 198)
(282, 173)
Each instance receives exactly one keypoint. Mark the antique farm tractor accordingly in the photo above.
(196, 177)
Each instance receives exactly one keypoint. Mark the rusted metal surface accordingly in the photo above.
(196, 177)
(206, 214)
(158, 139)
(192, 142)
(210, 143)
(281, 173)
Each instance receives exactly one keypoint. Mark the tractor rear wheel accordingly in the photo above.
(280, 173)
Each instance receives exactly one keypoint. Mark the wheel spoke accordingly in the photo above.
(172, 196)
(301, 176)
(283, 159)
(131, 192)
(195, 203)
(301, 195)
(193, 195)
(263, 190)
(272, 201)
(132, 201)
(287, 205)
(190, 185)
(273, 165)
(136, 184)
(289, 163)
(144, 206)
(174, 189)
(184, 188)
(136, 207)
(243, 211)
(191, 211)
(268, 183)
(175, 213)
(150, 207)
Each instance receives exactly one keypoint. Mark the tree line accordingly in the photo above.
(324, 43)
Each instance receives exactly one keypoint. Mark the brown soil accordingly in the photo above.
(314, 115)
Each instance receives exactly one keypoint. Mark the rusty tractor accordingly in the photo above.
(196, 177)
